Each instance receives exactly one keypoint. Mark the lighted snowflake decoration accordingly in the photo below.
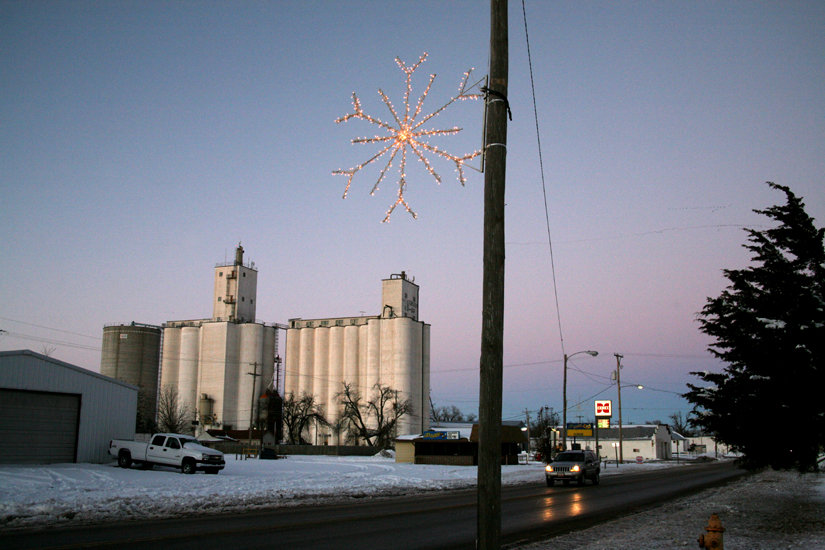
(407, 134)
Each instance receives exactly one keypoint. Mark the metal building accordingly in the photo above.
(131, 354)
(51, 411)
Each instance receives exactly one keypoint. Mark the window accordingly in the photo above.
(219, 299)
(172, 443)
(220, 273)
(158, 440)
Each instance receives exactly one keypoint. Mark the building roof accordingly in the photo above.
(63, 364)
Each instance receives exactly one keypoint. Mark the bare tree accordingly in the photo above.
(144, 419)
(374, 421)
(174, 414)
(544, 430)
(681, 424)
(298, 413)
(450, 413)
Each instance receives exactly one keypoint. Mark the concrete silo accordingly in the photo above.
(131, 353)
(391, 349)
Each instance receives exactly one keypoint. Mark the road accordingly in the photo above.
(433, 520)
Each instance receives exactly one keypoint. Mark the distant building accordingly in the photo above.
(221, 366)
(648, 441)
(390, 349)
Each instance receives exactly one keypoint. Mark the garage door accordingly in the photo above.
(38, 427)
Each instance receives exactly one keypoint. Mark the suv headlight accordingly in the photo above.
(575, 468)
(548, 468)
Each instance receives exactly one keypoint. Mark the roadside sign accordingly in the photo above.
(603, 423)
(580, 430)
(604, 408)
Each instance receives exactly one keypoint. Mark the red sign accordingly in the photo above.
(604, 408)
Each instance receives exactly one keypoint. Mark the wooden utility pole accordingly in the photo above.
(254, 374)
(488, 532)
(619, 390)
(527, 419)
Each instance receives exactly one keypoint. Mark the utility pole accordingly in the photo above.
(488, 527)
(619, 388)
(254, 374)
(527, 418)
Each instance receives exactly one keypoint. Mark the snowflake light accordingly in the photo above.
(407, 134)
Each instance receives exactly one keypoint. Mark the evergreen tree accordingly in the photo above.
(768, 326)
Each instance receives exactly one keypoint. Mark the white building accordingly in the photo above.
(390, 349)
(221, 365)
(648, 441)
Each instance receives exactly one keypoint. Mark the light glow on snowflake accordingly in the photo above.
(407, 134)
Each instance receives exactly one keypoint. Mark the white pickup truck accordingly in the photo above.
(180, 451)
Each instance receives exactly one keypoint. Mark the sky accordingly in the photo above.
(140, 142)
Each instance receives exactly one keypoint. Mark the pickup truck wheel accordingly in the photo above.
(188, 467)
(124, 459)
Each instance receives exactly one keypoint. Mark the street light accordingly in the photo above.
(564, 390)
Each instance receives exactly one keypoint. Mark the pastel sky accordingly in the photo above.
(141, 141)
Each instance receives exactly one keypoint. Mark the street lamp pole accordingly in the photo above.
(564, 395)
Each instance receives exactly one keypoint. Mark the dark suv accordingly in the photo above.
(573, 465)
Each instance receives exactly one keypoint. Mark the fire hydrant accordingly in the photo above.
(713, 537)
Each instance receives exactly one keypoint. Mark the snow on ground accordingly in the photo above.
(33, 496)
(69, 494)
(766, 511)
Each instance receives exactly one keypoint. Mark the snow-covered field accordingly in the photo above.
(72, 494)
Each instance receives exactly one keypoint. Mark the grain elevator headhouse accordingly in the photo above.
(400, 297)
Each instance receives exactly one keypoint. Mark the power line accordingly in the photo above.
(50, 328)
(543, 185)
